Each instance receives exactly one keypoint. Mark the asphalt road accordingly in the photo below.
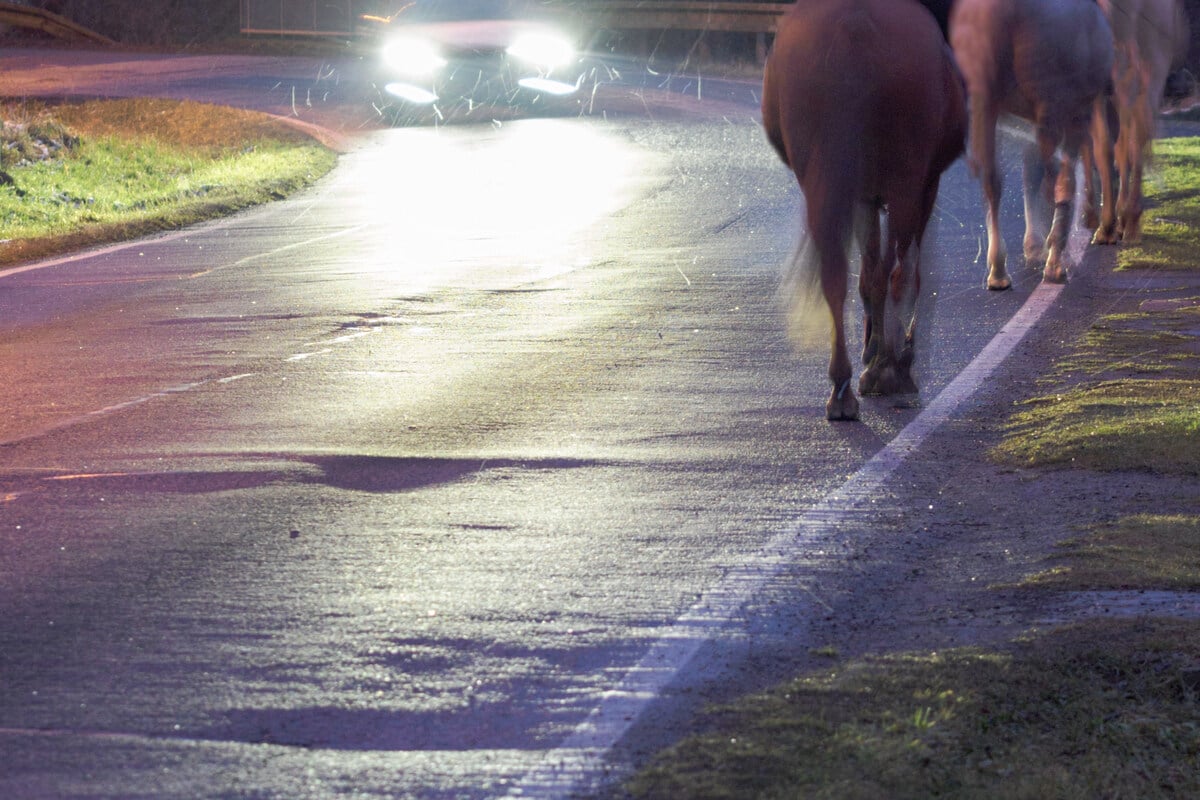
(378, 490)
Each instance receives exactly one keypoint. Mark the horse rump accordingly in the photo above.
(862, 100)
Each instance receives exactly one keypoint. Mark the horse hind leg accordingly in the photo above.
(1133, 145)
(842, 404)
(984, 115)
(890, 371)
(1139, 148)
(1055, 270)
(882, 375)
(872, 287)
(1097, 156)
(1064, 193)
(1038, 175)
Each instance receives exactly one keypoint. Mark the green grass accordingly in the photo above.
(1126, 395)
(1144, 552)
(1091, 711)
(1129, 424)
(1160, 343)
(119, 169)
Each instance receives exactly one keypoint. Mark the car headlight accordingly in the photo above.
(412, 56)
(544, 49)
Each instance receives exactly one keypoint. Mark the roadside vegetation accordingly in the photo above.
(1106, 708)
(1089, 711)
(77, 175)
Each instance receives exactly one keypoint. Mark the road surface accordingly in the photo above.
(378, 490)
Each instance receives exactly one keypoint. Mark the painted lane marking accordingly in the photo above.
(89, 416)
(284, 249)
(308, 355)
(137, 401)
(116, 248)
(576, 765)
(190, 232)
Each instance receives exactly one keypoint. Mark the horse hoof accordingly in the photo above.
(999, 283)
(1104, 236)
(868, 383)
(1055, 274)
(844, 408)
(904, 386)
(887, 380)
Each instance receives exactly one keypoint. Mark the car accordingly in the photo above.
(456, 57)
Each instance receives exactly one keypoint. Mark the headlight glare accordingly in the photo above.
(412, 56)
(544, 49)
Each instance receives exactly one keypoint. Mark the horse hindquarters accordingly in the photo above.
(914, 147)
(1150, 37)
(1047, 61)
(980, 36)
(859, 123)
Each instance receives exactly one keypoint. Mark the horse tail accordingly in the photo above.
(833, 171)
(1182, 30)
(839, 158)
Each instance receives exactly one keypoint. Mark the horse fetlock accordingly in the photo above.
(1131, 231)
(868, 382)
(870, 346)
(997, 272)
(1035, 249)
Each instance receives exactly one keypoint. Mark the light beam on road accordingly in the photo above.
(523, 194)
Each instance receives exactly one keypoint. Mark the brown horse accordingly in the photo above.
(1046, 61)
(1151, 37)
(862, 100)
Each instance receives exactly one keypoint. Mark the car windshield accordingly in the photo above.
(460, 10)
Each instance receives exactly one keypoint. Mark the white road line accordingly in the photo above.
(89, 416)
(83, 255)
(189, 232)
(283, 249)
(577, 764)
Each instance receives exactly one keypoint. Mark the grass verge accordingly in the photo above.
(1094, 710)
(1129, 395)
(1142, 551)
(1140, 424)
(1106, 708)
(77, 175)
(1169, 227)
(1126, 394)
